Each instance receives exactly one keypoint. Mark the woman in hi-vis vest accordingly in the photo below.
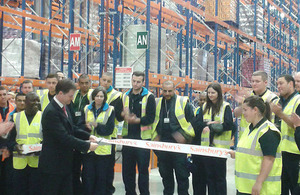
(218, 124)
(258, 162)
(99, 120)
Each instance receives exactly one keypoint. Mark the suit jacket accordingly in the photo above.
(60, 138)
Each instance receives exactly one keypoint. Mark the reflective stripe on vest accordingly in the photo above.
(249, 158)
(145, 129)
(102, 119)
(253, 176)
(44, 101)
(223, 140)
(27, 134)
(288, 138)
(179, 113)
(112, 96)
(11, 108)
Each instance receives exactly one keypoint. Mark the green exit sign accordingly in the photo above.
(142, 40)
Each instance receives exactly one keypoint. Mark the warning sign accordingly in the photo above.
(75, 41)
(123, 77)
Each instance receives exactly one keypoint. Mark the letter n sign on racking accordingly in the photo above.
(75, 41)
(142, 40)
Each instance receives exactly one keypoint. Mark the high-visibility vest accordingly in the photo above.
(41, 92)
(11, 108)
(145, 129)
(112, 96)
(220, 141)
(102, 119)
(197, 110)
(288, 138)
(268, 96)
(27, 134)
(44, 101)
(180, 104)
(248, 160)
(89, 95)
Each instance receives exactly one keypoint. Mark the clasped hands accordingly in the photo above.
(130, 117)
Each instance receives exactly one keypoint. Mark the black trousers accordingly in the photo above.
(216, 175)
(76, 174)
(168, 163)
(131, 158)
(6, 176)
(27, 181)
(111, 174)
(290, 172)
(199, 177)
(56, 184)
(94, 174)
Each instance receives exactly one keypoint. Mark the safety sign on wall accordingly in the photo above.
(123, 77)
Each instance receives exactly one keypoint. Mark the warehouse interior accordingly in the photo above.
(191, 42)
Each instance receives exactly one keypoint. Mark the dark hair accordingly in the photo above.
(262, 74)
(2, 88)
(139, 74)
(97, 90)
(31, 95)
(65, 86)
(27, 81)
(263, 107)
(83, 76)
(51, 76)
(288, 78)
(209, 104)
(20, 94)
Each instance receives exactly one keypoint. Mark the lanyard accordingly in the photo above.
(166, 108)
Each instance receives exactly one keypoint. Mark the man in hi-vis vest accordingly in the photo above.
(259, 83)
(27, 130)
(49, 93)
(82, 97)
(114, 98)
(172, 123)
(139, 114)
(288, 104)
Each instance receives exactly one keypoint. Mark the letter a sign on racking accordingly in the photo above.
(75, 42)
(141, 41)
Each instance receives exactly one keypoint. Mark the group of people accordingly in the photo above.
(69, 122)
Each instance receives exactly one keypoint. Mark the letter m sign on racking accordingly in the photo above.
(75, 42)
(142, 40)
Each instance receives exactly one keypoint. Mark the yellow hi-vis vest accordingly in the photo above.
(248, 160)
(145, 130)
(41, 92)
(44, 101)
(267, 97)
(288, 138)
(112, 96)
(89, 95)
(180, 104)
(102, 119)
(223, 140)
(27, 134)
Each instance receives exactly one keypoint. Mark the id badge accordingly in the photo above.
(78, 113)
(166, 120)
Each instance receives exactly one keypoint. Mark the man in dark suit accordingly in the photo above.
(60, 138)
